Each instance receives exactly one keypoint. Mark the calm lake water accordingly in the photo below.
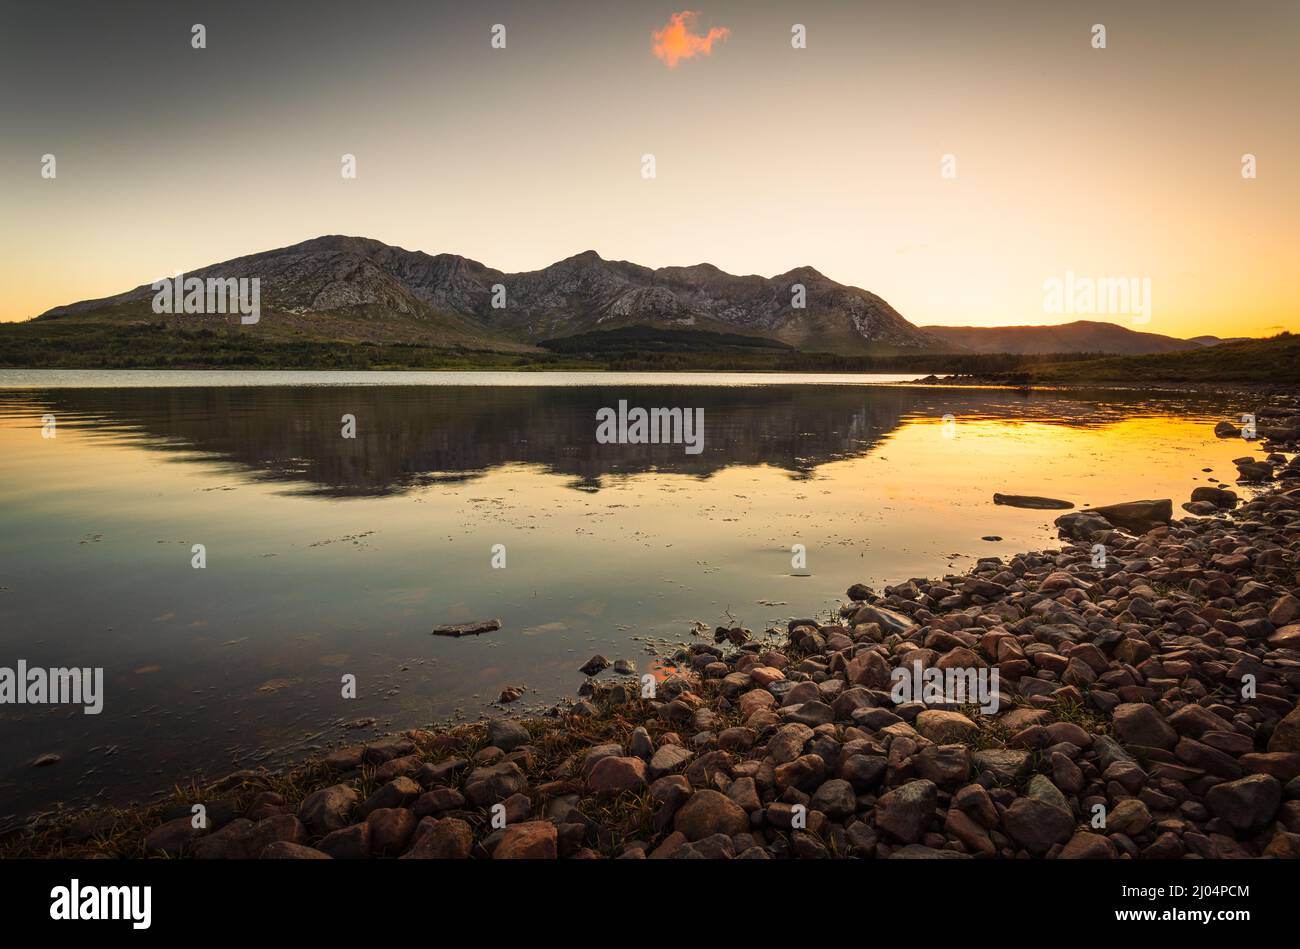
(329, 556)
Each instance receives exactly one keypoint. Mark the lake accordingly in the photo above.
(329, 556)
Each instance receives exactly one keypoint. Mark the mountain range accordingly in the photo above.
(1081, 336)
(357, 289)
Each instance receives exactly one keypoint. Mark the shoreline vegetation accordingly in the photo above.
(106, 345)
(1147, 674)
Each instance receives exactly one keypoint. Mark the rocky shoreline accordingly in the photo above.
(1144, 678)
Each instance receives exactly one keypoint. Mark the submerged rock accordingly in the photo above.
(1031, 501)
(468, 629)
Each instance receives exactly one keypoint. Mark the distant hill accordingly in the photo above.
(1081, 336)
(1216, 340)
(358, 289)
(1273, 360)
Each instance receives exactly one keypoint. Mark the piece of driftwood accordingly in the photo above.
(468, 629)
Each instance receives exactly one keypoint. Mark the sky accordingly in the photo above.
(1122, 162)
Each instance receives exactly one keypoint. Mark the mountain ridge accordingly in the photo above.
(365, 282)
(359, 289)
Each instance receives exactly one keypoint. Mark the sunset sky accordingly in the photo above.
(1124, 161)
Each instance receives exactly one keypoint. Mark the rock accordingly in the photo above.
(763, 676)
(1219, 497)
(1139, 724)
(671, 844)
(1251, 471)
(443, 772)
(811, 714)
(468, 629)
(961, 825)
(1087, 846)
(594, 665)
(745, 793)
(945, 728)
(1288, 637)
(533, 840)
(583, 709)
(287, 850)
(402, 767)
(1286, 736)
(1109, 751)
(386, 749)
(507, 735)
(890, 622)
(596, 753)
(511, 693)
(611, 775)
(1283, 846)
(1137, 516)
(328, 809)
(667, 759)
(918, 852)
(710, 812)
(345, 759)
(1037, 825)
(1066, 775)
(667, 795)
(641, 744)
(241, 839)
(624, 667)
(391, 829)
(1195, 720)
(805, 846)
(396, 793)
(1031, 501)
(865, 772)
(805, 773)
(1041, 788)
(1129, 817)
(945, 765)
(1248, 804)
(1007, 765)
(860, 592)
(976, 802)
(173, 837)
(1285, 611)
(347, 843)
(447, 839)
(737, 739)
(1081, 525)
(488, 785)
(836, 799)
(789, 742)
(905, 812)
